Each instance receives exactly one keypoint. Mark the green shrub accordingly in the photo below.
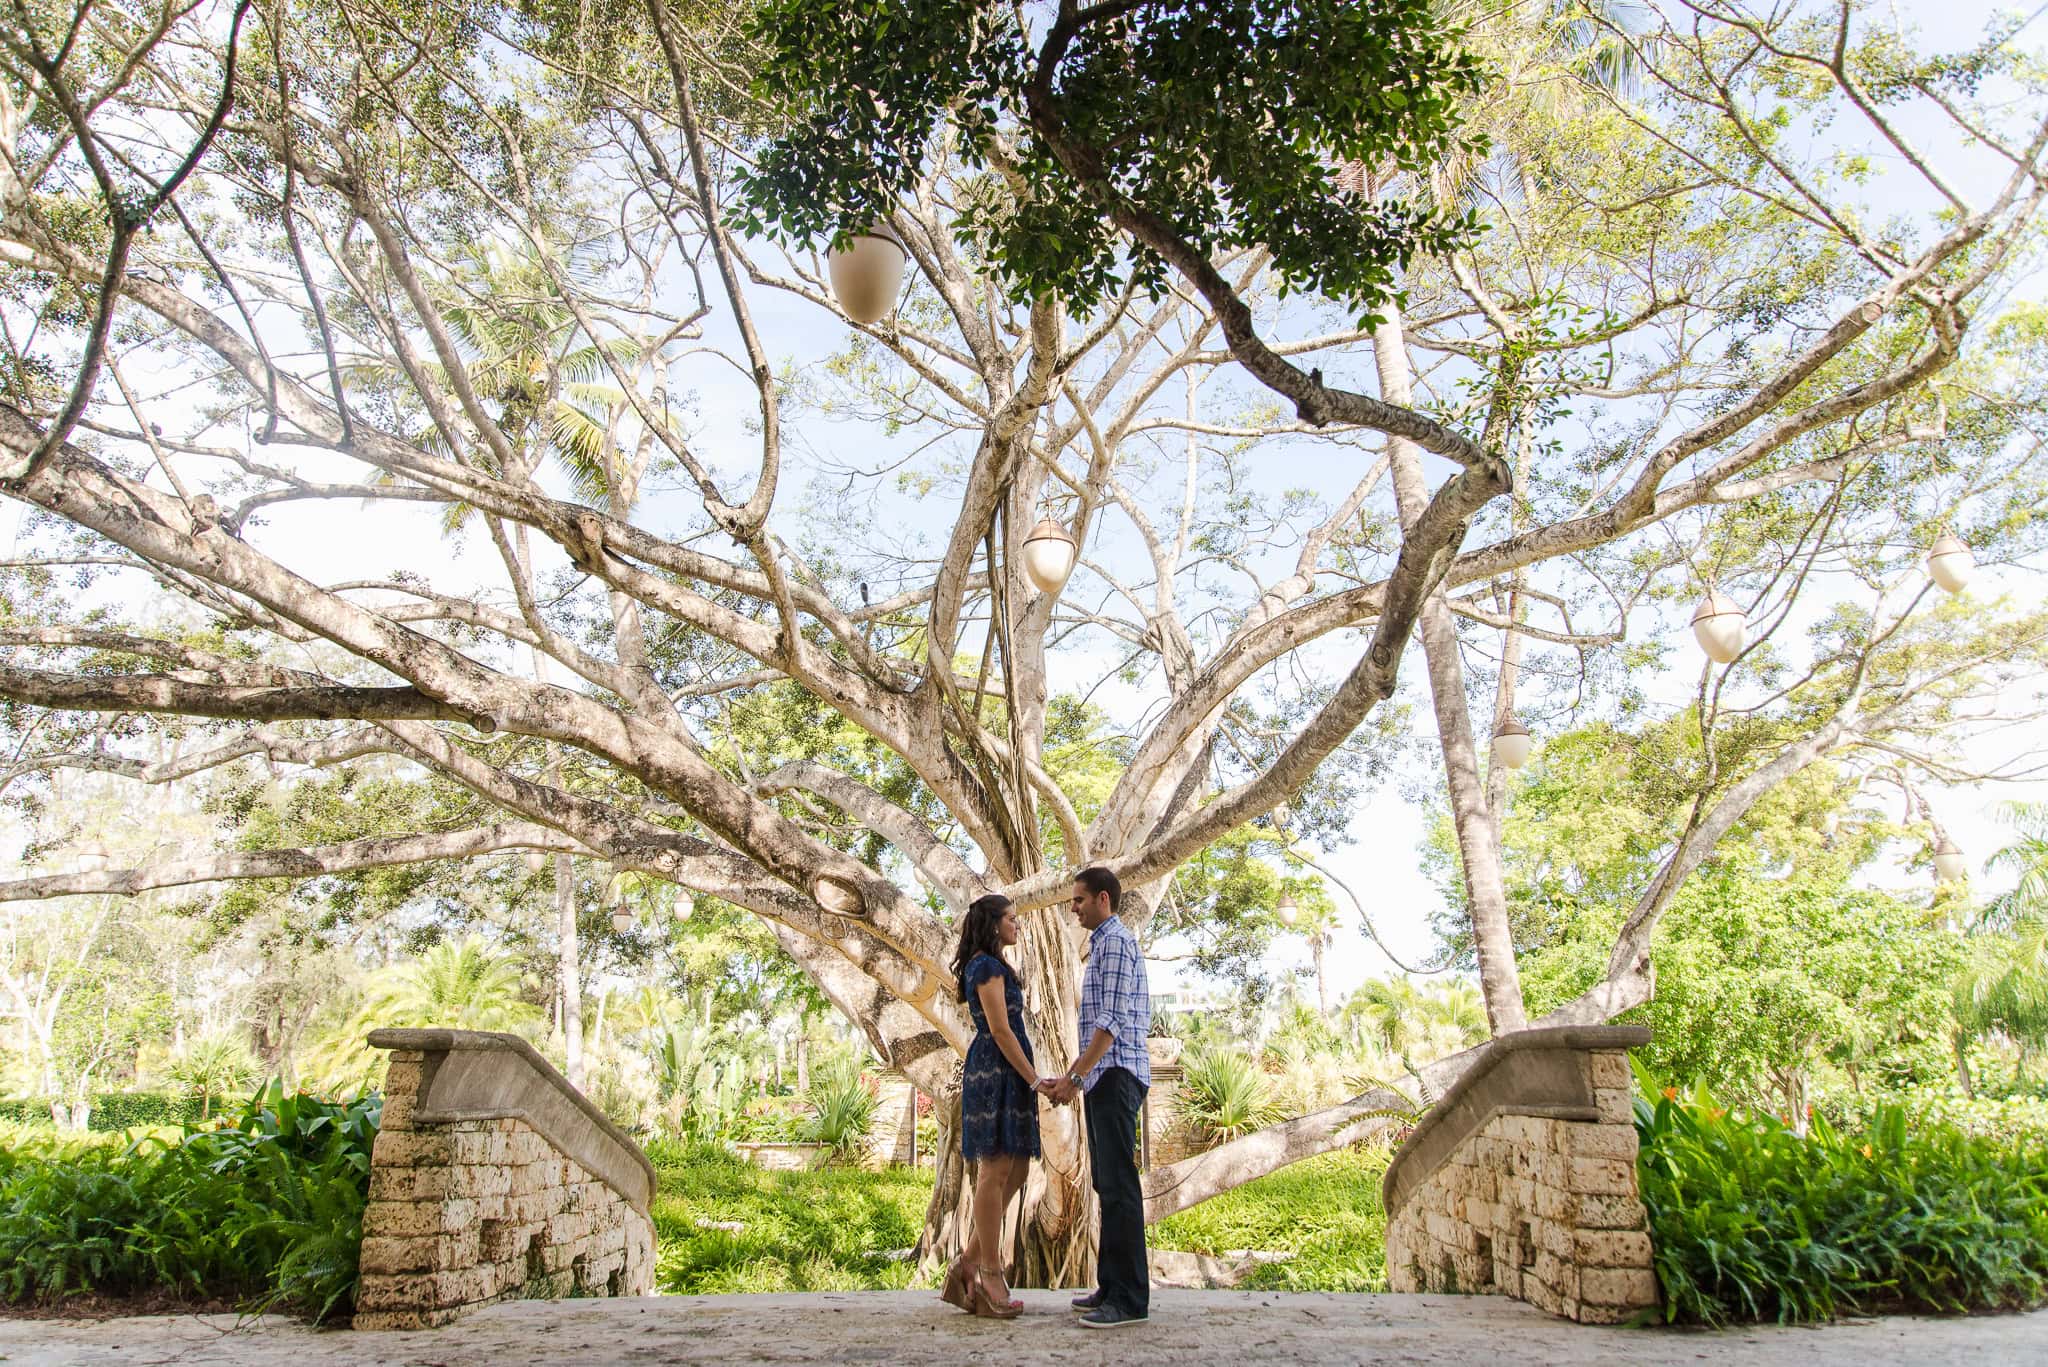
(843, 1112)
(766, 1120)
(1225, 1094)
(1752, 1222)
(266, 1209)
(2008, 1117)
(113, 1110)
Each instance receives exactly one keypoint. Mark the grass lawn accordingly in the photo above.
(1323, 1210)
(832, 1230)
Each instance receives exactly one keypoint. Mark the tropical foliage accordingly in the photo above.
(264, 1209)
(1224, 1093)
(1752, 1221)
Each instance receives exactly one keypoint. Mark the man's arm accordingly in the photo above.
(1118, 982)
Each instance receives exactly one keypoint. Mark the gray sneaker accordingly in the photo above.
(1090, 1301)
(1109, 1317)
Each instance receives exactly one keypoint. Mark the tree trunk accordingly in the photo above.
(1963, 1065)
(1315, 944)
(1478, 851)
(1795, 1101)
(568, 971)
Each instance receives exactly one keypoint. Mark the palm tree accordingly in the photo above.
(2003, 990)
(552, 385)
(1398, 1017)
(2003, 987)
(467, 986)
(2027, 858)
(211, 1066)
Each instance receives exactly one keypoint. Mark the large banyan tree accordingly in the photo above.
(1558, 317)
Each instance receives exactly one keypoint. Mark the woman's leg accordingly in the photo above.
(970, 1243)
(991, 1187)
(1020, 1169)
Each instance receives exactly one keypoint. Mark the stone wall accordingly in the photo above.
(493, 1179)
(893, 1140)
(1522, 1181)
(1172, 1136)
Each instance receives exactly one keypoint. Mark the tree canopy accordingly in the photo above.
(293, 292)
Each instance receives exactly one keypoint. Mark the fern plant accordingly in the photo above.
(265, 1209)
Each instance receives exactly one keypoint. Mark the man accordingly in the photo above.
(1114, 1073)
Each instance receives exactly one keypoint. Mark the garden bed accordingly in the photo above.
(785, 1157)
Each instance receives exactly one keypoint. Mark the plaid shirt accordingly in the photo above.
(1114, 998)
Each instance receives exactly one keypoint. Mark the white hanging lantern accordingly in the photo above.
(1049, 556)
(1831, 825)
(1948, 861)
(1720, 627)
(685, 904)
(867, 274)
(536, 860)
(622, 919)
(1286, 909)
(1950, 562)
(1511, 744)
(92, 860)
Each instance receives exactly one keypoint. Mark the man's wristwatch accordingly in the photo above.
(1073, 1077)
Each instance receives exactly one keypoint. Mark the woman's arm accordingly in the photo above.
(997, 1012)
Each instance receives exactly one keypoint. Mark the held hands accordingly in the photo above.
(1057, 1090)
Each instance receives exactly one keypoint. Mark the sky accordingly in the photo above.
(1386, 829)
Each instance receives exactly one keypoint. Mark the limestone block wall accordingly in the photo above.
(894, 1136)
(493, 1179)
(1173, 1136)
(1522, 1181)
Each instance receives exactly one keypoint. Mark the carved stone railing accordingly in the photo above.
(1521, 1181)
(494, 1179)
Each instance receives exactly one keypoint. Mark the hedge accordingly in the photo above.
(114, 1110)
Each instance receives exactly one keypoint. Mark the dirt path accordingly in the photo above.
(1211, 1328)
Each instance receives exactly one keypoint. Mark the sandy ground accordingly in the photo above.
(1214, 1328)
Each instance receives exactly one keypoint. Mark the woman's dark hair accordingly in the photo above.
(978, 935)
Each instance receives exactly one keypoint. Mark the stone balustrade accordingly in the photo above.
(494, 1179)
(1521, 1181)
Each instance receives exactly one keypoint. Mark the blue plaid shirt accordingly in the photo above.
(1114, 998)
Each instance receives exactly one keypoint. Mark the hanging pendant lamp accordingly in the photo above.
(1720, 627)
(867, 273)
(1511, 744)
(1950, 562)
(1049, 556)
(1948, 861)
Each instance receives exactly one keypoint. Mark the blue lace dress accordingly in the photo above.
(998, 1108)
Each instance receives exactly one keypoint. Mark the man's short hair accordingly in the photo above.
(1096, 879)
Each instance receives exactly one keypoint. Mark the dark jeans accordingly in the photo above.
(1120, 1268)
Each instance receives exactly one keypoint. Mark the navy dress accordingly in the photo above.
(998, 1108)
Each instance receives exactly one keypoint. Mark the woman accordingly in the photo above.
(998, 1103)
